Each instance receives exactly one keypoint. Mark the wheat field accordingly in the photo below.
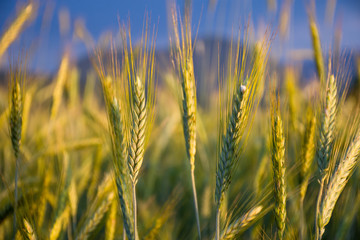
(138, 147)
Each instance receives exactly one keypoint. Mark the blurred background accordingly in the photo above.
(58, 25)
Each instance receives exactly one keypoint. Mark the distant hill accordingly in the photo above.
(211, 52)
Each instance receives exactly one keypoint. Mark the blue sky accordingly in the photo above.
(221, 20)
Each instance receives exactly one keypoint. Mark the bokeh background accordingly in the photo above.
(55, 25)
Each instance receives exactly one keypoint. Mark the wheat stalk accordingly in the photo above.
(15, 122)
(185, 68)
(243, 101)
(137, 142)
(139, 73)
(223, 175)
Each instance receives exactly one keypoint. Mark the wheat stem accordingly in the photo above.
(134, 209)
(195, 202)
(217, 234)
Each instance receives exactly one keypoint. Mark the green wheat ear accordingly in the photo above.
(325, 144)
(230, 140)
(15, 121)
(16, 116)
(119, 148)
(278, 160)
(327, 128)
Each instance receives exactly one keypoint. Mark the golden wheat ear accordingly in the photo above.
(16, 27)
(183, 54)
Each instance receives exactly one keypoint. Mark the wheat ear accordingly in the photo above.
(278, 161)
(325, 142)
(119, 152)
(94, 221)
(119, 149)
(185, 67)
(223, 173)
(337, 182)
(327, 128)
(29, 230)
(317, 49)
(223, 176)
(137, 142)
(59, 86)
(15, 122)
(241, 224)
(15, 28)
